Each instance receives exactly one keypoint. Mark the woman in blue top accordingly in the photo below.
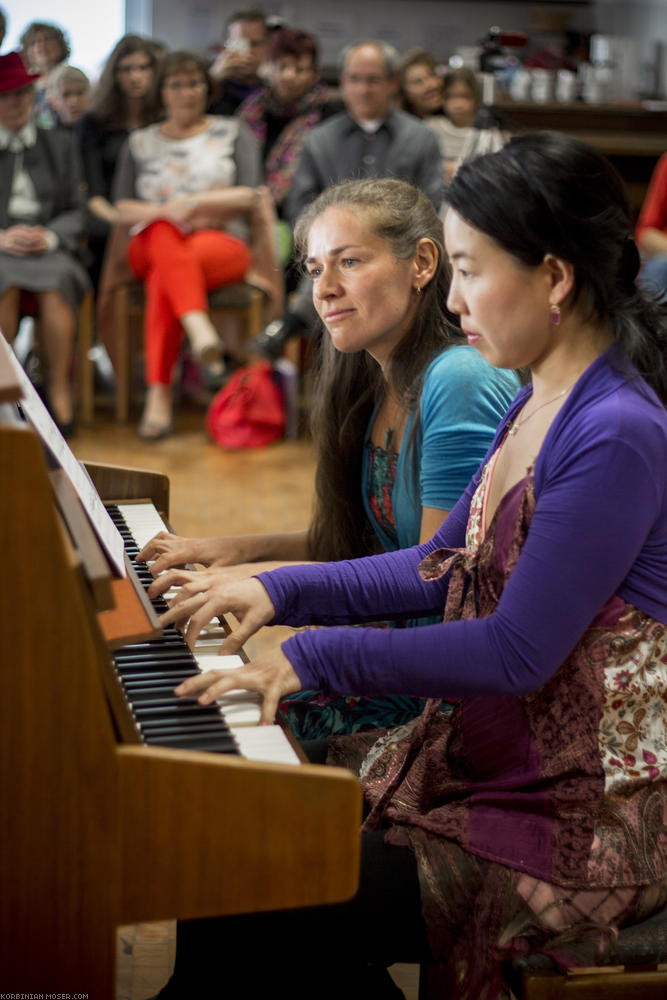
(398, 395)
(532, 816)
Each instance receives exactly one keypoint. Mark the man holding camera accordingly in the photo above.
(236, 68)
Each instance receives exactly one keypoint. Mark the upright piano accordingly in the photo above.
(98, 827)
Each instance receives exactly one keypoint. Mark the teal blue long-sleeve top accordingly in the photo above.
(462, 402)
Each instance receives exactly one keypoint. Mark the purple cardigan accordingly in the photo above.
(599, 528)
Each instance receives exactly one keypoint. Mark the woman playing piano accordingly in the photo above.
(400, 399)
(532, 815)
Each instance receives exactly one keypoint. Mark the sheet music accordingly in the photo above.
(42, 421)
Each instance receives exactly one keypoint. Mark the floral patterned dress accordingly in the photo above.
(538, 822)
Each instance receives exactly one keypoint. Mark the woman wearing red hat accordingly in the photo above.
(41, 222)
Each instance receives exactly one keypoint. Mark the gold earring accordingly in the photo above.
(419, 290)
(554, 315)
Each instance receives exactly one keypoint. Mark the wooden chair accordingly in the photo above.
(84, 372)
(241, 300)
(635, 970)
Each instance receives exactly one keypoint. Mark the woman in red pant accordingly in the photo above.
(188, 187)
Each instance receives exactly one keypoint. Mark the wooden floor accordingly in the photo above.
(212, 492)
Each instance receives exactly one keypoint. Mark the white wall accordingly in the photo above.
(92, 28)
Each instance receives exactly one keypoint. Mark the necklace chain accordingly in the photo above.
(519, 423)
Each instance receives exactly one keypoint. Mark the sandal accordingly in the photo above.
(149, 430)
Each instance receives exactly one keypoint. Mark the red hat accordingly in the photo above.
(13, 74)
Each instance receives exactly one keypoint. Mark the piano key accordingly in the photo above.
(150, 670)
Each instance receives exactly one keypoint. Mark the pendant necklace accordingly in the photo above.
(519, 423)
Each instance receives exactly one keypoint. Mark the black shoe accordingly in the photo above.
(270, 343)
(214, 376)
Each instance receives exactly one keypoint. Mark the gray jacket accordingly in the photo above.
(339, 149)
(54, 169)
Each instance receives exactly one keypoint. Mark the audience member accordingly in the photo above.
(189, 184)
(420, 91)
(68, 93)
(236, 69)
(403, 411)
(125, 98)
(465, 130)
(531, 817)
(369, 138)
(45, 47)
(41, 225)
(651, 233)
(292, 102)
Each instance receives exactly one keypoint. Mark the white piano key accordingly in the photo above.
(239, 707)
(142, 520)
(265, 743)
(241, 710)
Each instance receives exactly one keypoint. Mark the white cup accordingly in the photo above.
(542, 85)
(566, 85)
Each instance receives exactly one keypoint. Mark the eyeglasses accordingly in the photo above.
(369, 81)
(184, 84)
(140, 68)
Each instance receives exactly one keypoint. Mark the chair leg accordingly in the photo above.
(122, 356)
(252, 316)
(84, 366)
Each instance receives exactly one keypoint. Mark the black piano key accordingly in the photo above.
(150, 670)
(167, 727)
(206, 743)
(180, 708)
(155, 682)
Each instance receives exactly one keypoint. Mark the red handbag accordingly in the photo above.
(248, 411)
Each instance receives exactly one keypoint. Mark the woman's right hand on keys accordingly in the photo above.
(207, 594)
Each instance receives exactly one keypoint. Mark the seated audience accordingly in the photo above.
(41, 225)
(189, 185)
(531, 817)
(283, 111)
(236, 69)
(68, 93)
(403, 412)
(651, 233)
(420, 91)
(465, 130)
(45, 47)
(370, 138)
(125, 98)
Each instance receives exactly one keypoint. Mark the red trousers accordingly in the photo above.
(178, 270)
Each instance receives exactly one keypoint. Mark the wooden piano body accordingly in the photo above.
(97, 832)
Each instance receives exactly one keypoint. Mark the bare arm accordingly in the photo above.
(103, 209)
(169, 550)
(432, 518)
(223, 203)
(653, 242)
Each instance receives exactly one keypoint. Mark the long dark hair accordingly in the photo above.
(547, 193)
(347, 386)
(108, 104)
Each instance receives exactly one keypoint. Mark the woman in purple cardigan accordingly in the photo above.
(532, 816)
